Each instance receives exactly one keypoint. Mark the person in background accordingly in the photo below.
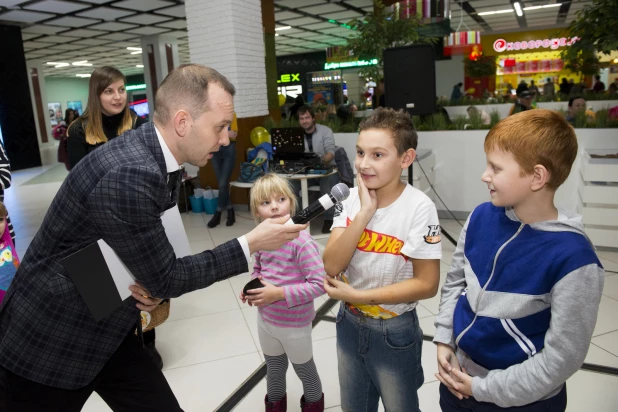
(5, 183)
(456, 94)
(319, 139)
(577, 104)
(523, 103)
(107, 114)
(223, 162)
(475, 111)
(61, 133)
(533, 88)
(292, 278)
(521, 87)
(549, 89)
(298, 103)
(331, 112)
(599, 86)
(9, 262)
(353, 109)
(565, 87)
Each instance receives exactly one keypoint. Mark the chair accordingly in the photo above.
(243, 185)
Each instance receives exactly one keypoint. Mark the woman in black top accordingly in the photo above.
(107, 114)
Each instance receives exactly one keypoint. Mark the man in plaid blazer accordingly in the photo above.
(53, 354)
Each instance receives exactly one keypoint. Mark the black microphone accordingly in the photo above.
(338, 193)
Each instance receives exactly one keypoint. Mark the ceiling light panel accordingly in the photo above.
(55, 6)
(105, 13)
(143, 5)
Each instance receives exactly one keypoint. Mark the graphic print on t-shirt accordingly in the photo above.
(374, 242)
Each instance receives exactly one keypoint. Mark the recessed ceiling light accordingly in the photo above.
(83, 75)
(543, 7)
(137, 52)
(487, 13)
(283, 28)
(58, 64)
(82, 63)
(134, 48)
(518, 9)
(139, 65)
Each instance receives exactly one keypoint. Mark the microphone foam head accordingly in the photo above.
(340, 192)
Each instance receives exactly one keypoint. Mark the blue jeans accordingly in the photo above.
(450, 403)
(326, 184)
(223, 162)
(379, 358)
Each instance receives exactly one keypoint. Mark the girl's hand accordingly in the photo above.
(266, 295)
(243, 298)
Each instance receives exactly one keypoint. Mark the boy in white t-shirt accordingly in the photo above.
(382, 257)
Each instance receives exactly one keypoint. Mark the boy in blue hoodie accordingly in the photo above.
(521, 297)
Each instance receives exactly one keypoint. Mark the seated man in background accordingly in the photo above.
(577, 104)
(319, 139)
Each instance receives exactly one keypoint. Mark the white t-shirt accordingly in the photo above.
(408, 228)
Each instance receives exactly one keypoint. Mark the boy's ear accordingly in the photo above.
(540, 178)
(408, 158)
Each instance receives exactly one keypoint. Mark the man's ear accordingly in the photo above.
(182, 123)
(540, 178)
(408, 158)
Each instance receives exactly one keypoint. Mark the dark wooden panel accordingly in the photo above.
(169, 57)
(41, 114)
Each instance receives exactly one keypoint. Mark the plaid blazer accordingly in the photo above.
(117, 193)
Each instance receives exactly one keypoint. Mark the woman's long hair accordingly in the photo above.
(100, 79)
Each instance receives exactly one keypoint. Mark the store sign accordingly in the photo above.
(355, 63)
(136, 87)
(501, 45)
(292, 91)
(289, 78)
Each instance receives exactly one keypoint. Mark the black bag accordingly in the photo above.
(249, 172)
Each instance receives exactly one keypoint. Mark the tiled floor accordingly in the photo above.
(210, 345)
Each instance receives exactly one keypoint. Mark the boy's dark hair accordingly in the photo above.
(572, 99)
(398, 123)
(306, 109)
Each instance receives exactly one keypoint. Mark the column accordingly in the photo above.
(16, 115)
(227, 35)
(159, 56)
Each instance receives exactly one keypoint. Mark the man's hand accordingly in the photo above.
(144, 301)
(271, 234)
(339, 290)
(265, 296)
(447, 364)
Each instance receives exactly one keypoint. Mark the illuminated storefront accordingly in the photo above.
(533, 55)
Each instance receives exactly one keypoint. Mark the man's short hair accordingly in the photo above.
(306, 109)
(398, 123)
(537, 137)
(186, 87)
(572, 99)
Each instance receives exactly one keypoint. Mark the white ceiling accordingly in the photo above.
(101, 30)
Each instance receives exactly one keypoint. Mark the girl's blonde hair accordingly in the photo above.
(3, 211)
(267, 186)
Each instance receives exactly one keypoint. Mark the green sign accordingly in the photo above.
(356, 63)
(288, 78)
(136, 87)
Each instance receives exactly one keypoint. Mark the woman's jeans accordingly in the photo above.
(379, 358)
(223, 162)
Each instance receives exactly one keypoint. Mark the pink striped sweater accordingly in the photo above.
(297, 267)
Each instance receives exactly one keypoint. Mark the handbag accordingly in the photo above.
(250, 172)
